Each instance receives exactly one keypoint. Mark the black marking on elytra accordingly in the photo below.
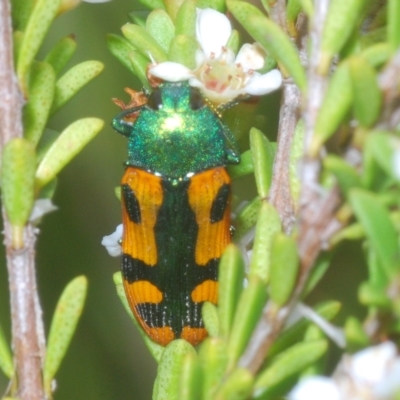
(220, 203)
(131, 204)
(176, 273)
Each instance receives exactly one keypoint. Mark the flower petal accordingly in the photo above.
(171, 71)
(112, 242)
(315, 388)
(259, 85)
(251, 57)
(213, 30)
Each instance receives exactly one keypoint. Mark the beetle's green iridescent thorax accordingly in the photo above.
(176, 134)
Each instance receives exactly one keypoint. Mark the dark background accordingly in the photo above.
(107, 359)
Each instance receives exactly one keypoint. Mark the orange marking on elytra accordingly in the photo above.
(205, 291)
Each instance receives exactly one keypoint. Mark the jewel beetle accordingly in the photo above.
(175, 196)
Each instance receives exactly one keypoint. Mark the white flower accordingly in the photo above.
(113, 242)
(220, 75)
(371, 374)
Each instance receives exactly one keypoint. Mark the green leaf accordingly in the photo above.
(139, 17)
(268, 224)
(6, 362)
(121, 49)
(367, 95)
(374, 296)
(183, 50)
(246, 219)
(345, 174)
(17, 181)
(377, 54)
(153, 4)
(185, 23)
(63, 325)
(139, 64)
(290, 362)
(21, 10)
(209, 313)
(271, 37)
(172, 7)
(248, 312)
(393, 27)
(191, 379)
(342, 18)
(70, 142)
(166, 386)
(213, 359)
(230, 277)
(335, 106)
(39, 22)
(245, 166)
(327, 310)
(263, 158)
(318, 271)
(218, 5)
(74, 80)
(142, 40)
(233, 42)
(61, 53)
(238, 386)
(293, 9)
(284, 268)
(41, 93)
(356, 338)
(379, 229)
(161, 28)
(155, 349)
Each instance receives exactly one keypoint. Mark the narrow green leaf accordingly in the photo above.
(218, 5)
(139, 17)
(290, 362)
(74, 80)
(17, 181)
(238, 386)
(318, 271)
(284, 268)
(377, 54)
(327, 310)
(213, 359)
(172, 7)
(39, 22)
(367, 95)
(231, 276)
(308, 8)
(374, 296)
(41, 93)
(346, 175)
(142, 40)
(356, 338)
(271, 37)
(155, 349)
(139, 64)
(20, 11)
(153, 4)
(342, 18)
(209, 313)
(121, 49)
(249, 309)
(246, 219)
(191, 379)
(6, 362)
(245, 166)
(63, 325)
(161, 28)
(268, 224)
(263, 158)
(70, 142)
(61, 53)
(379, 229)
(167, 384)
(393, 27)
(183, 50)
(335, 106)
(185, 23)
(293, 9)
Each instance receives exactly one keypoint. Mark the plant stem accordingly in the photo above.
(26, 314)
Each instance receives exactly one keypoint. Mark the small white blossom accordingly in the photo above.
(113, 242)
(40, 208)
(220, 75)
(371, 374)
